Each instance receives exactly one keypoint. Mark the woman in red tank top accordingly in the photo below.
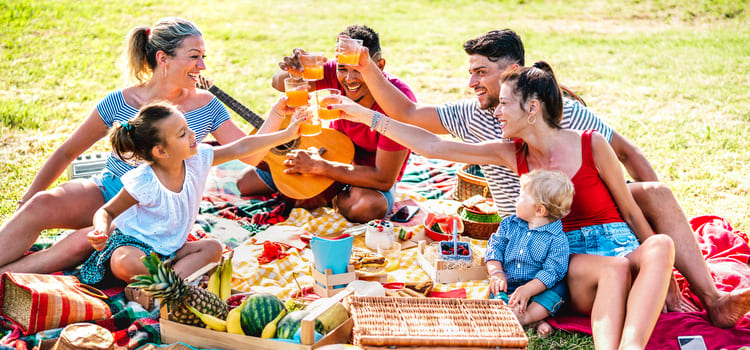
(605, 219)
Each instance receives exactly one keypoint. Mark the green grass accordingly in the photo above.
(670, 75)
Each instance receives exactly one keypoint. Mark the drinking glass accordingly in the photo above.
(324, 98)
(347, 50)
(312, 63)
(392, 253)
(296, 92)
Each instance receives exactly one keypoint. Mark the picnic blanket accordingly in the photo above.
(234, 220)
(240, 223)
(727, 255)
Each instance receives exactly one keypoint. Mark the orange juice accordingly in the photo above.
(352, 59)
(310, 127)
(328, 114)
(296, 98)
(313, 72)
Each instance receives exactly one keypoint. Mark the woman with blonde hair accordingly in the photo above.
(164, 61)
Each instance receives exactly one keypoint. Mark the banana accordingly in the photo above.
(269, 331)
(214, 281)
(234, 317)
(212, 322)
(225, 288)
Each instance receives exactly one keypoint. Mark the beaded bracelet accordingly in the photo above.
(384, 125)
(375, 120)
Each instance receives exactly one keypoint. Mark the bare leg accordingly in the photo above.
(651, 263)
(675, 301)
(534, 312)
(251, 184)
(68, 206)
(665, 215)
(66, 254)
(194, 255)
(361, 204)
(126, 263)
(598, 286)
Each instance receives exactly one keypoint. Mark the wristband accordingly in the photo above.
(375, 120)
(496, 272)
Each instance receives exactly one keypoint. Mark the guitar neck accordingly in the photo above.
(244, 112)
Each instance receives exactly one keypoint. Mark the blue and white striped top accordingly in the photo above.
(202, 121)
(466, 121)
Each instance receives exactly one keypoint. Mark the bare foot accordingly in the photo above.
(675, 301)
(543, 329)
(730, 308)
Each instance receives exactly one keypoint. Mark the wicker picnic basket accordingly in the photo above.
(475, 229)
(434, 323)
(470, 182)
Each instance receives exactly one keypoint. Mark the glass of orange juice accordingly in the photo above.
(296, 91)
(347, 50)
(325, 97)
(311, 126)
(312, 62)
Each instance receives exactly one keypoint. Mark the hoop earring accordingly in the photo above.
(530, 120)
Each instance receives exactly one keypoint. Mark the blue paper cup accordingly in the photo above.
(331, 254)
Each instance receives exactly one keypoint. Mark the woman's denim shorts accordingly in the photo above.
(613, 239)
(109, 183)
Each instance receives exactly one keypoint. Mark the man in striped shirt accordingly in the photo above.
(472, 120)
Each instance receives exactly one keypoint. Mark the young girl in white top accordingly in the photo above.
(160, 198)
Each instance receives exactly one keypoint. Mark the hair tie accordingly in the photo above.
(148, 31)
(126, 125)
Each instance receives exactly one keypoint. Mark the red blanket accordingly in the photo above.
(727, 254)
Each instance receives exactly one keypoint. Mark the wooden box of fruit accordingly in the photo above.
(250, 320)
(445, 271)
(201, 318)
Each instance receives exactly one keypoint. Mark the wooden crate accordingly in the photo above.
(440, 273)
(325, 282)
(205, 338)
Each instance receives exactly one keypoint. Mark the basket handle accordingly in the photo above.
(92, 291)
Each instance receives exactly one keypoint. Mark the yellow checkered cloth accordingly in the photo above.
(278, 277)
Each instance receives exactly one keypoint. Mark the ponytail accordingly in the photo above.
(134, 140)
(144, 42)
(537, 82)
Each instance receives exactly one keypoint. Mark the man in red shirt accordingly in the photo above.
(378, 161)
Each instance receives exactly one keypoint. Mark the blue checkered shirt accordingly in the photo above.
(541, 253)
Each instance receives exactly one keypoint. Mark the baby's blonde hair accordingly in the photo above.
(550, 188)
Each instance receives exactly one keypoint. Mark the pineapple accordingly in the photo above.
(163, 283)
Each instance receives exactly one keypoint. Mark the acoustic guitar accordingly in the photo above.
(333, 145)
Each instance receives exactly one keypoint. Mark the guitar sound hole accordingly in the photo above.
(285, 148)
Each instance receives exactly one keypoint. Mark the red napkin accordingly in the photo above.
(272, 251)
(456, 293)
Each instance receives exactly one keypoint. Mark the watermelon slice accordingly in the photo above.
(441, 223)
